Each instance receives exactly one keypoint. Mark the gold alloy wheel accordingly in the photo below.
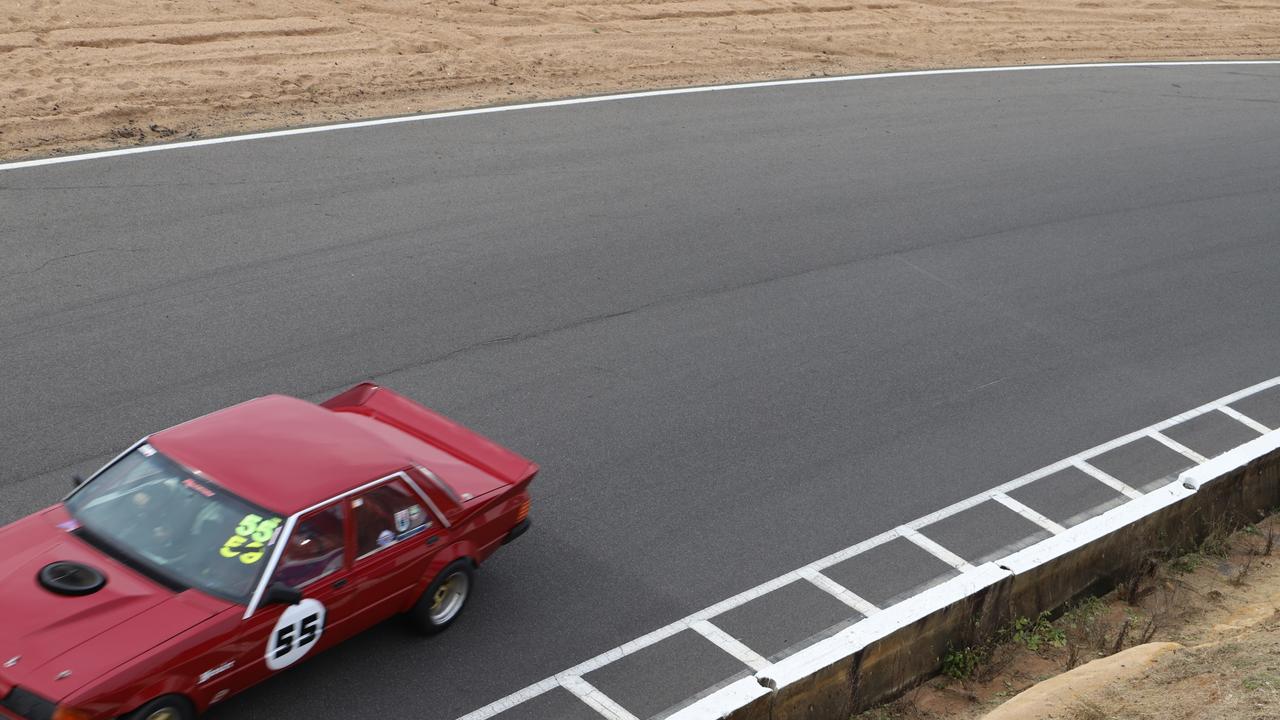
(449, 598)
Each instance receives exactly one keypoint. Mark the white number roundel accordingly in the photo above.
(295, 633)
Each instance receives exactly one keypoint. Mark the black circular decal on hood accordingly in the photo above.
(71, 578)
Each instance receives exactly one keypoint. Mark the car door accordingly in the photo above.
(395, 537)
(317, 561)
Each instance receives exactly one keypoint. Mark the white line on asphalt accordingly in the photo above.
(853, 550)
(1177, 447)
(1028, 513)
(1241, 417)
(597, 700)
(523, 695)
(840, 592)
(908, 530)
(935, 549)
(605, 98)
(1106, 479)
(730, 644)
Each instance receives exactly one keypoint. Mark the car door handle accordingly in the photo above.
(433, 539)
(339, 583)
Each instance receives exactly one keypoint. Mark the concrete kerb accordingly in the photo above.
(745, 698)
(896, 649)
(1095, 555)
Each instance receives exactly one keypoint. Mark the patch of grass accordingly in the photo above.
(1034, 634)
(1269, 537)
(963, 663)
(1261, 682)
(986, 659)
(1238, 578)
(1187, 564)
(1083, 628)
(1218, 542)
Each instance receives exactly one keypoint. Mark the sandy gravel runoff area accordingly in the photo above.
(80, 74)
(1196, 639)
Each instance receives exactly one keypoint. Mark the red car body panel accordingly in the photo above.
(136, 638)
(404, 414)
(279, 452)
(60, 634)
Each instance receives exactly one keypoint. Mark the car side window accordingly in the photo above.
(316, 548)
(386, 515)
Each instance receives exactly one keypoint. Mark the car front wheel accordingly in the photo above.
(169, 707)
(444, 599)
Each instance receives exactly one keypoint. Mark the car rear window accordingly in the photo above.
(387, 515)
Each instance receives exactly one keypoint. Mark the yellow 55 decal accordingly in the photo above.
(251, 538)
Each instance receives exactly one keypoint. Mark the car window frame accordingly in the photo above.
(431, 489)
(346, 541)
(151, 570)
(255, 602)
(413, 492)
(105, 467)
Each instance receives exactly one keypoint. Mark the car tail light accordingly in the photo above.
(523, 512)
(66, 713)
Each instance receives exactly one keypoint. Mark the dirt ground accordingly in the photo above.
(1222, 604)
(81, 74)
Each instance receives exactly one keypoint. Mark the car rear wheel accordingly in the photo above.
(444, 599)
(169, 707)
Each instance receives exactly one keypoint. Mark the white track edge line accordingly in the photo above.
(730, 644)
(1028, 513)
(936, 549)
(310, 130)
(1240, 417)
(909, 529)
(595, 699)
(516, 698)
(1104, 478)
(840, 592)
(1178, 447)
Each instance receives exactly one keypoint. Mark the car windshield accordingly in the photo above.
(162, 518)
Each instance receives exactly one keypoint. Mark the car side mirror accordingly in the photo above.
(280, 594)
(76, 481)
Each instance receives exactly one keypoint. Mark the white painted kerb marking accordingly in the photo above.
(840, 592)
(1244, 419)
(1028, 513)
(1230, 460)
(1178, 447)
(712, 707)
(908, 531)
(595, 699)
(1106, 479)
(936, 550)
(730, 644)
(606, 98)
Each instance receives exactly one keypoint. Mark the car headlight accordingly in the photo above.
(28, 705)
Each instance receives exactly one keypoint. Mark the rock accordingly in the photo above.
(1053, 698)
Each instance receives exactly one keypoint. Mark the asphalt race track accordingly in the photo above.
(739, 330)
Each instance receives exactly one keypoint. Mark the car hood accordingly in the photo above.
(54, 644)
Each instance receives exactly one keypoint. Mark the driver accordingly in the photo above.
(161, 516)
(310, 554)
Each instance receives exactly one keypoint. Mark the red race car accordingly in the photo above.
(215, 553)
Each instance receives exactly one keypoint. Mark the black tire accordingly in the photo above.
(167, 707)
(445, 598)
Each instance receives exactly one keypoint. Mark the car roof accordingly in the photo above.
(279, 452)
